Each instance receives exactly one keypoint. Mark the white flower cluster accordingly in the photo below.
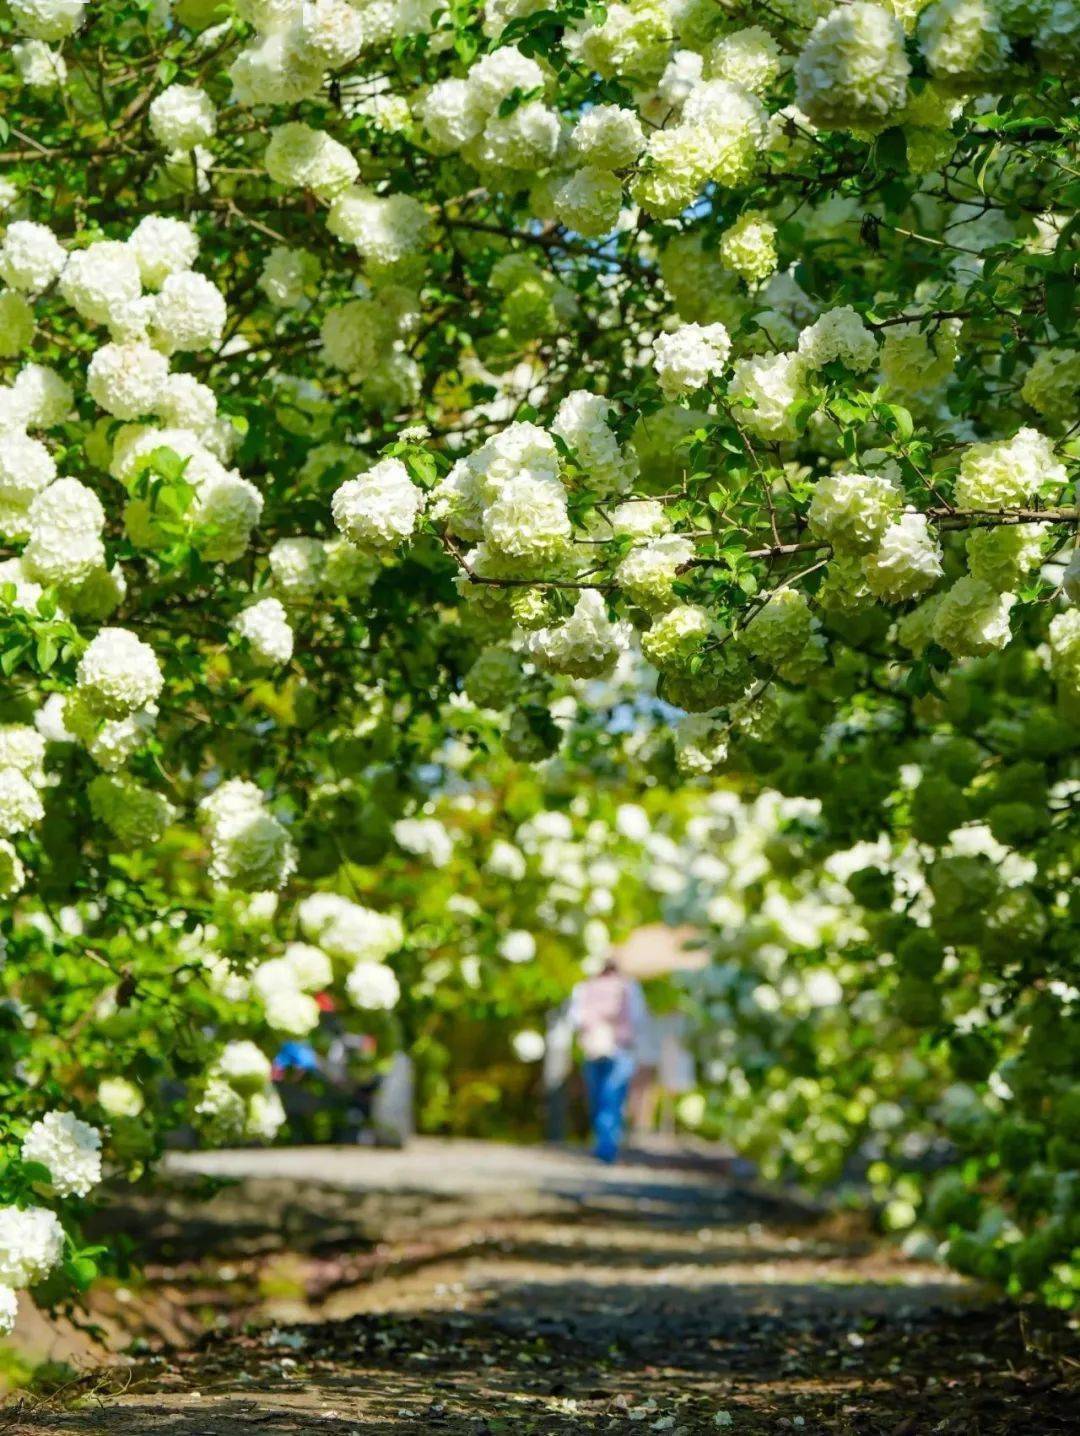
(718, 138)
(853, 70)
(347, 930)
(237, 1100)
(906, 562)
(266, 628)
(972, 618)
(118, 674)
(285, 986)
(1008, 473)
(119, 1097)
(47, 19)
(767, 387)
(22, 776)
(300, 157)
(298, 41)
(749, 57)
(378, 510)
(136, 816)
(689, 357)
(363, 938)
(508, 493)
(426, 838)
(465, 115)
(587, 644)
(373, 987)
(224, 509)
(648, 571)
(384, 230)
(182, 117)
(31, 1246)
(748, 248)
(839, 334)
(582, 422)
(249, 848)
(39, 67)
(70, 1148)
(852, 511)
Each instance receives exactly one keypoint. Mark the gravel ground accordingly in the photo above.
(550, 1296)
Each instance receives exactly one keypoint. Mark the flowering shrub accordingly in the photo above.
(402, 405)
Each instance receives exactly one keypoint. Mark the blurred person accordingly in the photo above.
(608, 1012)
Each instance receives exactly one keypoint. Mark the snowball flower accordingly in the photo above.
(285, 275)
(528, 520)
(182, 117)
(31, 1245)
(496, 75)
(589, 201)
(581, 421)
(1006, 473)
(162, 246)
(963, 41)
(26, 467)
(453, 114)
(243, 1065)
(529, 1046)
(748, 248)
(20, 803)
(780, 629)
(41, 397)
(1004, 556)
(687, 358)
(748, 57)
(9, 1309)
(103, 284)
(373, 987)
(972, 618)
(304, 158)
(126, 380)
(291, 1011)
(249, 848)
(17, 323)
(646, 574)
(266, 628)
(378, 510)
(384, 230)
(839, 334)
(907, 561)
(70, 1148)
(118, 673)
(31, 256)
(188, 313)
(310, 967)
(117, 1097)
(298, 565)
(47, 19)
(65, 522)
(518, 946)
(608, 137)
(853, 70)
(39, 67)
(427, 838)
(773, 382)
(585, 645)
(852, 511)
(330, 33)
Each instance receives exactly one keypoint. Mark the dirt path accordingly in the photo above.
(576, 1300)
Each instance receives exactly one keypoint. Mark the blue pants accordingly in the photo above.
(607, 1081)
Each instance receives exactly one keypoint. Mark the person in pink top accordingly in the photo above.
(608, 1013)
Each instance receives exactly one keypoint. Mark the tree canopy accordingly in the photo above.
(474, 478)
